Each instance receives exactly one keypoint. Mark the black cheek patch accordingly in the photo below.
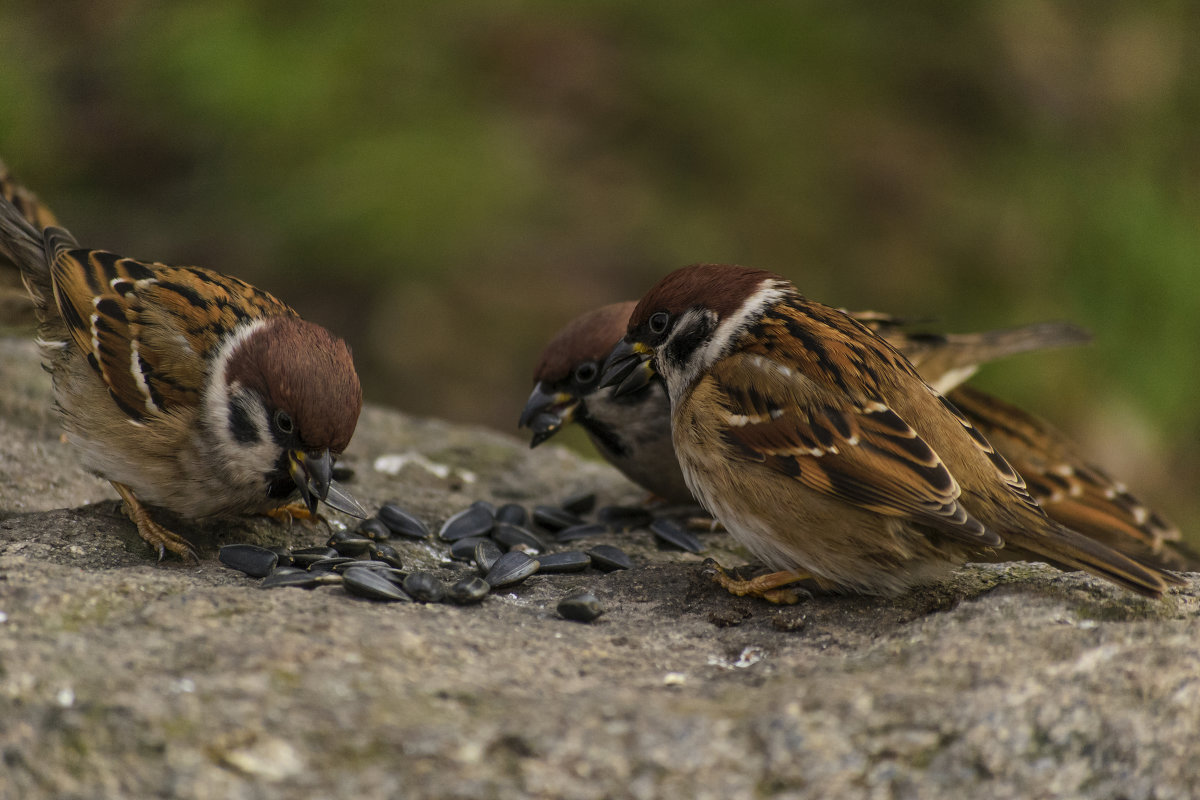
(241, 425)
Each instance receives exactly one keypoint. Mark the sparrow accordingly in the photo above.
(186, 389)
(819, 446)
(633, 431)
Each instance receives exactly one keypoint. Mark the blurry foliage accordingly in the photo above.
(447, 183)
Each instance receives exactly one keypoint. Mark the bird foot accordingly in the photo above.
(773, 587)
(291, 512)
(154, 534)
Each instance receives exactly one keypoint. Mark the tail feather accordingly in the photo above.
(1065, 548)
(948, 360)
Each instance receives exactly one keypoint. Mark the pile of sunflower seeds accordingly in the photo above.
(503, 545)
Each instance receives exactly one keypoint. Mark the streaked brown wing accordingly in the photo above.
(861, 453)
(1072, 491)
(147, 328)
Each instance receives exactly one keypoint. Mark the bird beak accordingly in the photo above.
(546, 413)
(629, 367)
(312, 472)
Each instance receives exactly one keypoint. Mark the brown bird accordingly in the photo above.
(633, 431)
(185, 388)
(821, 449)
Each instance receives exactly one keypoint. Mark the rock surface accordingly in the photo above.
(123, 678)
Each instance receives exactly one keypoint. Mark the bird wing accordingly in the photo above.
(857, 451)
(147, 329)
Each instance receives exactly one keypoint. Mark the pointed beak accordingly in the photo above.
(312, 472)
(628, 367)
(547, 412)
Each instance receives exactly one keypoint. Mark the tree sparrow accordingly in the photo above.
(185, 388)
(821, 449)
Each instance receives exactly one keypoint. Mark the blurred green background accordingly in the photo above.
(447, 183)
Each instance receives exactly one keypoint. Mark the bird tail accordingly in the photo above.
(946, 360)
(23, 220)
(1066, 549)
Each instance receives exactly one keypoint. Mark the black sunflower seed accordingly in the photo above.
(473, 521)
(485, 555)
(388, 555)
(607, 558)
(349, 543)
(373, 585)
(307, 555)
(510, 536)
(510, 568)
(464, 549)
(566, 561)
(581, 607)
(425, 587)
(674, 534)
(335, 564)
(468, 589)
(580, 503)
(553, 518)
(374, 528)
(512, 513)
(586, 531)
(402, 523)
(255, 561)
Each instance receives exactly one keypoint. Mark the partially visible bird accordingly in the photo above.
(1070, 488)
(819, 446)
(185, 388)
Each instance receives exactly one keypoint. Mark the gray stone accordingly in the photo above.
(123, 678)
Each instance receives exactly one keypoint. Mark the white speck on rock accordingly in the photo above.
(393, 463)
(268, 759)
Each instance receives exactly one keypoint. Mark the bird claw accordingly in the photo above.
(151, 532)
(774, 587)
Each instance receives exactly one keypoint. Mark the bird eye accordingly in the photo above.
(658, 322)
(283, 422)
(586, 372)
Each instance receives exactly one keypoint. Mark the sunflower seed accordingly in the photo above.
(486, 554)
(464, 549)
(308, 555)
(566, 561)
(554, 519)
(581, 607)
(510, 536)
(511, 568)
(468, 589)
(607, 558)
(586, 531)
(349, 543)
(512, 513)
(674, 534)
(424, 587)
(388, 555)
(374, 528)
(331, 564)
(255, 561)
(402, 523)
(473, 521)
(372, 585)
(580, 503)
(290, 576)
